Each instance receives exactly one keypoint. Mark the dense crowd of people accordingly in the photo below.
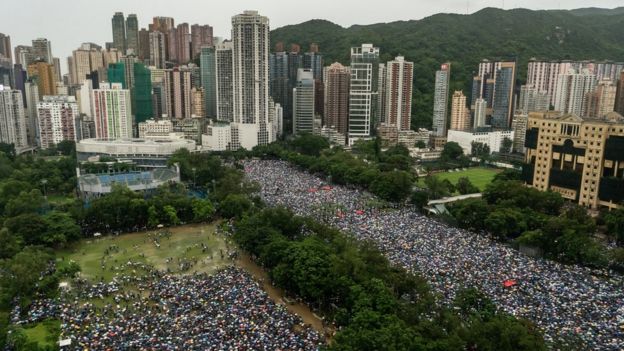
(225, 311)
(566, 302)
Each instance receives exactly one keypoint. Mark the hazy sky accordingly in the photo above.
(67, 23)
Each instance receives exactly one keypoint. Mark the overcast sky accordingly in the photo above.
(67, 23)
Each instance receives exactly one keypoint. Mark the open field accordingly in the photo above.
(480, 177)
(103, 258)
(43, 333)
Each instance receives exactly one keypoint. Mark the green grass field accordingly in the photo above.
(44, 333)
(479, 177)
(184, 243)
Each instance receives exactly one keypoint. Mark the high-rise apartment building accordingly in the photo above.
(144, 45)
(209, 80)
(581, 159)
(112, 114)
(183, 42)
(142, 93)
(5, 47)
(313, 60)
(42, 50)
(197, 103)
(619, 97)
(571, 90)
(24, 55)
(157, 49)
(337, 87)
(480, 113)
(32, 126)
(177, 88)
(119, 32)
(364, 94)
(440, 100)
(224, 82)
(86, 59)
(57, 120)
(280, 87)
(162, 24)
(201, 36)
(532, 100)
(398, 93)
(44, 75)
(250, 39)
(132, 34)
(600, 102)
(303, 102)
(460, 114)
(502, 106)
(12, 118)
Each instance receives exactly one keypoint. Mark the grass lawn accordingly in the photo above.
(184, 243)
(479, 177)
(45, 334)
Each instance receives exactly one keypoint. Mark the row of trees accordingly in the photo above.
(526, 216)
(374, 305)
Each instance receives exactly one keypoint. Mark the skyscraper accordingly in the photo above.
(224, 82)
(157, 49)
(177, 87)
(600, 102)
(42, 50)
(619, 98)
(144, 45)
(24, 55)
(197, 103)
(142, 94)
(208, 80)
(303, 102)
(250, 39)
(86, 59)
(201, 36)
(119, 32)
(363, 97)
(314, 61)
(132, 34)
(337, 87)
(57, 120)
(440, 100)
(280, 87)
(398, 93)
(32, 98)
(5, 47)
(502, 107)
(183, 42)
(45, 77)
(480, 113)
(12, 118)
(571, 89)
(460, 114)
(532, 100)
(112, 111)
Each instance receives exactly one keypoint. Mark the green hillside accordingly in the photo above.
(465, 39)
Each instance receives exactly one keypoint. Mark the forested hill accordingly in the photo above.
(465, 39)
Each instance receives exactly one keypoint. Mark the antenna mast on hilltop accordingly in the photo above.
(467, 7)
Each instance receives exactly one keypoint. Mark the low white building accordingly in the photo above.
(493, 139)
(153, 128)
(218, 137)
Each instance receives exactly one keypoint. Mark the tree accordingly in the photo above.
(473, 303)
(436, 188)
(480, 150)
(392, 186)
(310, 144)
(420, 144)
(470, 213)
(66, 147)
(203, 210)
(61, 229)
(29, 228)
(234, 205)
(11, 244)
(451, 152)
(464, 186)
(419, 199)
(506, 146)
(505, 222)
(171, 215)
(21, 274)
(615, 224)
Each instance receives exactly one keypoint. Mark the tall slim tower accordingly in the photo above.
(440, 100)
(398, 95)
(112, 111)
(12, 118)
(132, 34)
(201, 36)
(157, 49)
(337, 86)
(208, 69)
(177, 85)
(460, 115)
(502, 107)
(619, 97)
(224, 82)
(5, 46)
(303, 102)
(363, 110)
(42, 50)
(250, 39)
(119, 32)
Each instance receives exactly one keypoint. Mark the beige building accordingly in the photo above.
(581, 159)
(45, 76)
(460, 114)
(601, 102)
(197, 103)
